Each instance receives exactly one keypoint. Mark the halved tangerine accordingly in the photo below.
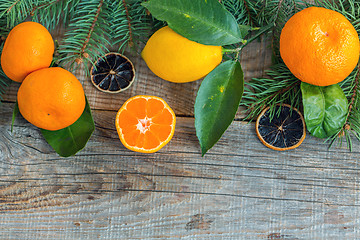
(282, 132)
(145, 123)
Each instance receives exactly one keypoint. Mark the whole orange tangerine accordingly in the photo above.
(319, 46)
(28, 47)
(51, 98)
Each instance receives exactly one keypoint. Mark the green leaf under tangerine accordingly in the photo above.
(70, 140)
(325, 109)
(203, 21)
(217, 102)
(15, 113)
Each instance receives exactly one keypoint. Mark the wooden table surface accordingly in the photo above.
(239, 190)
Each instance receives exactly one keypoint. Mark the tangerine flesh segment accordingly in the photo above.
(137, 107)
(150, 140)
(131, 137)
(154, 107)
(163, 118)
(140, 140)
(162, 131)
(126, 120)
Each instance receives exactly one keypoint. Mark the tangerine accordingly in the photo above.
(51, 98)
(175, 58)
(145, 123)
(28, 47)
(319, 46)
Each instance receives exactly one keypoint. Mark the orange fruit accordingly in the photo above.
(145, 123)
(319, 46)
(283, 131)
(174, 58)
(28, 47)
(51, 98)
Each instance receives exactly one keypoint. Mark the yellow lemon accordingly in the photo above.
(175, 58)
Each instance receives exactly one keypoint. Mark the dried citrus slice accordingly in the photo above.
(284, 131)
(145, 123)
(113, 73)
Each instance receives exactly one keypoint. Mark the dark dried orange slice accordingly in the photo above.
(284, 131)
(113, 73)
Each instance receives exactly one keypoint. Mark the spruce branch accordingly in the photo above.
(3, 29)
(86, 38)
(42, 5)
(244, 11)
(12, 6)
(279, 87)
(353, 96)
(130, 24)
(131, 40)
(277, 12)
(15, 12)
(86, 42)
(52, 13)
(351, 126)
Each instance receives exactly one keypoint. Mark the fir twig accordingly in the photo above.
(52, 13)
(131, 25)
(350, 87)
(86, 42)
(244, 11)
(277, 12)
(280, 87)
(43, 5)
(86, 38)
(15, 11)
(131, 40)
(12, 6)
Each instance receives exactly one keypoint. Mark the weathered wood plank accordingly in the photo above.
(239, 190)
(181, 97)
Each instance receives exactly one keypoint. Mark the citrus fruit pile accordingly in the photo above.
(49, 98)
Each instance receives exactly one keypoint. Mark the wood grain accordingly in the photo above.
(239, 190)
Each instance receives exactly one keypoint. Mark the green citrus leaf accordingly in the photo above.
(202, 21)
(15, 113)
(68, 141)
(217, 101)
(325, 109)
